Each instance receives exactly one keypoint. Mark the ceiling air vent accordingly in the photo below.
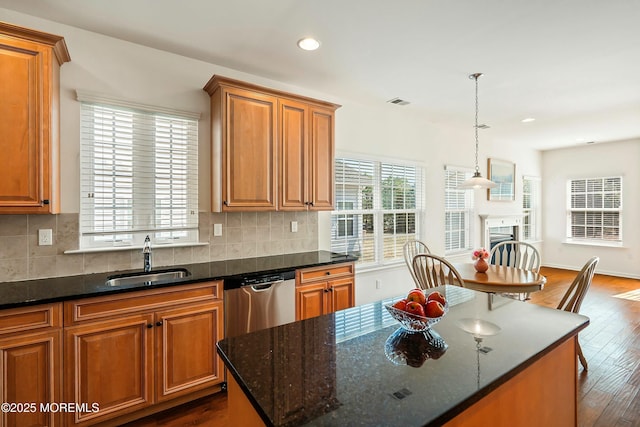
(398, 101)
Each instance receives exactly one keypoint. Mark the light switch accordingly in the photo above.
(217, 230)
(45, 237)
(294, 226)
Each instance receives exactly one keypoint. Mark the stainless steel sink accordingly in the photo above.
(143, 278)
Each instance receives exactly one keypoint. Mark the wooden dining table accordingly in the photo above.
(500, 279)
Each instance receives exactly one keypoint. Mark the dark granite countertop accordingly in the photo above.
(30, 292)
(347, 368)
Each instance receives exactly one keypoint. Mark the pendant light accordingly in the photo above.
(477, 181)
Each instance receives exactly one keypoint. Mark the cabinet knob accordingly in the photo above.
(159, 323)
(45, 202)
(326, 290)
(225, 203)
(149, 326)
(328, 273)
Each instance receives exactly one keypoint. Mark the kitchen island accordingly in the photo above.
(354, 367)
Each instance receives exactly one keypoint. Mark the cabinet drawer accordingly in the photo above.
(324, 272)
(89, 309)
(25, 319)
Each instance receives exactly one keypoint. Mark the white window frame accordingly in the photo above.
(531, 222)
(590, 198)
(138, 173)
(376, 256)
(453, 177)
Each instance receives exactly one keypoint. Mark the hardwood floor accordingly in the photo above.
(609, 392)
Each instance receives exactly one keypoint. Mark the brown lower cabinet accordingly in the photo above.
(138, 351)
(323, 290)
(30, 355)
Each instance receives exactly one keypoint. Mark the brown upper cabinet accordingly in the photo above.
(271, 150)
(30, 120)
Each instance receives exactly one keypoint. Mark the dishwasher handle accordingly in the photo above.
(263, 287)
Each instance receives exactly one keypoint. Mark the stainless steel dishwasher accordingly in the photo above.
(259, 301)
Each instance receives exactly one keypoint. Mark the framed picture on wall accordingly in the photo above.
(503, 173)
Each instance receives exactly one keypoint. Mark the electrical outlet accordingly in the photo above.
(45, 237)
(378, 284)
(294, 226)
(217, 230)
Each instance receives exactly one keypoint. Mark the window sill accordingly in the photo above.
(133, 247)
(595, 243)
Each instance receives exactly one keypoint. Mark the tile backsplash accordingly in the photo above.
(245, 235)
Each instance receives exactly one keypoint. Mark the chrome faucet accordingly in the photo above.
(146, 252)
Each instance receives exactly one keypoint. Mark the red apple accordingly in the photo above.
(414, 307)
(401, 305)
(434, 309)
(437, 296)
(417, 295)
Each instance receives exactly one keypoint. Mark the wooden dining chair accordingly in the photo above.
(432, 270)
(514, 253)
(572, 299)
(411, 249)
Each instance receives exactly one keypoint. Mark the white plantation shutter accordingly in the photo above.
(459, 209)
(377, 209)
(139, 175)
(400, 192)
(352, 224)
(595, 209)
(531, 208)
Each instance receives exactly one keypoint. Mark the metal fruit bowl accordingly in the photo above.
(412, 322)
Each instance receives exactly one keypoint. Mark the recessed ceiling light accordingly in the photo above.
(528, 120)
(308, 43)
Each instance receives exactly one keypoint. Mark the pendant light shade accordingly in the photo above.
(477, 181)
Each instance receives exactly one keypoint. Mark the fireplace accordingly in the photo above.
(499, 228)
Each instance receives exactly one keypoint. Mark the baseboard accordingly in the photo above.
(598, 271)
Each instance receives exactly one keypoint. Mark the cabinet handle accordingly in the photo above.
(159, 323)
(149, 326)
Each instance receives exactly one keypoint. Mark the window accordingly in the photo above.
(377, 209)
(139, 175)
(595, 209)
(531, 208)
(458, 210)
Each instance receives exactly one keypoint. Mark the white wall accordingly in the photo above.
(117, 68)
(596, 160)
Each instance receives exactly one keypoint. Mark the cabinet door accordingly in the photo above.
(31, 373)
(249, 151)
(322, 159)
(23, 123)
(342, 294)
(294, 155)
(187, 356)
(312, 300)
(109, 363)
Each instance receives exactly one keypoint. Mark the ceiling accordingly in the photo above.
(573, 65)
